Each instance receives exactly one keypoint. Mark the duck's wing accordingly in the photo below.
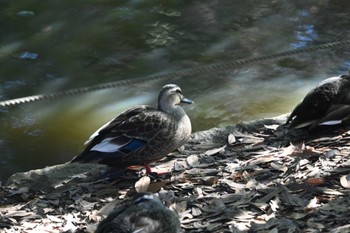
(130, 131)
(117, 121)
(337, 114)
(111, 129)
(315, 104)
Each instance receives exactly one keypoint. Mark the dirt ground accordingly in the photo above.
(251, 177)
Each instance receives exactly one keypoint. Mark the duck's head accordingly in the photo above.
(171, 95)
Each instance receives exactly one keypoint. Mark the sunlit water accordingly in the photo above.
(48, 46)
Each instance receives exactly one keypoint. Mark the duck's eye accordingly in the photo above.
(178, 91)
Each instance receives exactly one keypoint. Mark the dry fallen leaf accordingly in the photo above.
(330, 191)
(275, 204)
(192, 160)
(313, 203)
(19, 191)
(180, 206)
(215, 150)
(288, 150)
(279, 167)
(94, 216)
(341, 229)
(315, 181)
(260, 160)
(272, 127)
(180, 165)
(231, 139)
(156, 186)
(196, 211)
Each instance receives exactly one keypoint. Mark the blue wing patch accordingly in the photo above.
(111, 145)
(132, 146)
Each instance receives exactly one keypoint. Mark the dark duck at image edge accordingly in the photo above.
(328, 104)
(145, 213)
(141, 135)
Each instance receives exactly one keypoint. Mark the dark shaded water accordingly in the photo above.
(48, 46)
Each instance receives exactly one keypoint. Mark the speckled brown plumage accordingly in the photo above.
(141, 135)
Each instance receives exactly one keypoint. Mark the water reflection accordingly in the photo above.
(46, 47)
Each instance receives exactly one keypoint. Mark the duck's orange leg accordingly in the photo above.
(148, 168)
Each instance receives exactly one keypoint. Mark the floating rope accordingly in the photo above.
(181, 73)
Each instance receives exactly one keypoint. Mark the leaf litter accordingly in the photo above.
(258, 178)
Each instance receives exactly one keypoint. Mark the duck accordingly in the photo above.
(141, 135)
(327, 104)
(145, 213)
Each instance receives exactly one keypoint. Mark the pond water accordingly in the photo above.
(49, 46)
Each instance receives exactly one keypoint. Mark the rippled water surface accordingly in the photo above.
(49, 46)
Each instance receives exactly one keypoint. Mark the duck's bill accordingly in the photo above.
(186, 101)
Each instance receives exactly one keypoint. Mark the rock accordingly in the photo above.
(49, 178)
(219, 135)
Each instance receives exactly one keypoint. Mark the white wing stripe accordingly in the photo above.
(334, 122)
(106, 146)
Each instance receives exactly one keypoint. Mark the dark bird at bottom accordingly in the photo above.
(328, 104)
(141, 135)
(145, 214)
